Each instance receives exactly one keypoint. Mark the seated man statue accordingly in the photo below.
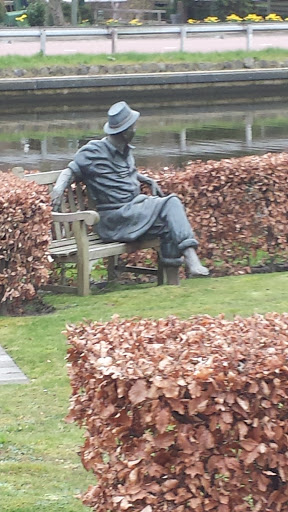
(107, 168)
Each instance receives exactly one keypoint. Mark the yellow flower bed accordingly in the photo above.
(233, 17)
(211, 19)
(273, 17)
(21, 18)
(111, 21)
(254, 18)
(135, 22)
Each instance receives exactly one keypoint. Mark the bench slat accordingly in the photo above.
(93, 238)
(101, 250)
(43, 178)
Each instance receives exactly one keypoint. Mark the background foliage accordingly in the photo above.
(36, 13)
(223, 8)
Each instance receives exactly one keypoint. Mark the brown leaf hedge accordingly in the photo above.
(238, 208)
(25, 223)
(183, 415)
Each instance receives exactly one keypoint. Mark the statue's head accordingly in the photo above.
(121, 118)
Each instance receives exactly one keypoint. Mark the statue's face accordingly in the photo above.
(129, 133)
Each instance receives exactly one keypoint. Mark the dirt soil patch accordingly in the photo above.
(32, 307)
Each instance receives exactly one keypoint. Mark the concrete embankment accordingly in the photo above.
(200, 87)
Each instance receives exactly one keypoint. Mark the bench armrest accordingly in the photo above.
(90, 217)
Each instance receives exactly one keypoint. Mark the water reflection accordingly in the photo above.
(49, 141)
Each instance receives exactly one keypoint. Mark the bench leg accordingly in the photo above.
(62, 273)
(160, 273)
(112, 262)
(83, 273)
(172, 275)
(83, 279)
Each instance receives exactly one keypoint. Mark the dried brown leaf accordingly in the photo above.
(249, 444)
(163, 419)
(138, 392)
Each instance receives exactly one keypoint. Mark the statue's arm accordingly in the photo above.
(156, 190)
(65, 179)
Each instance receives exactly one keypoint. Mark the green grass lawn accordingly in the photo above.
(38, 61)
(39, 466)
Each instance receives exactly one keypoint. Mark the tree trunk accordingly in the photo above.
(56, 13)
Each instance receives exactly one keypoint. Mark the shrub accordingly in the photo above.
(237, 207)
(36, 13)
(85, 12)
(183, 415)
(25, 221)
(223, 8)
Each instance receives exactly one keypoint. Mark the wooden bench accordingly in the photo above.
(129, 14)
(73, 243)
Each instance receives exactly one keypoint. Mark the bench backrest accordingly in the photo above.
(75, 199)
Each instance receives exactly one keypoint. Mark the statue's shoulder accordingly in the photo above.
(94, 144)
(92, 149)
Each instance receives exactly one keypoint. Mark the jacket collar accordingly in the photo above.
(113, 148)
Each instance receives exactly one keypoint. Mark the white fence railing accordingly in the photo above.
(113, 33)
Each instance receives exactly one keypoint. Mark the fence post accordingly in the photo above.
(74, 13)
(249, 129)
(114, 36)
(43, 41)
(182, 37)
(249, 38)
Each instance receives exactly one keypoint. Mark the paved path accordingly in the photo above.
(208, 43)
(9, 371)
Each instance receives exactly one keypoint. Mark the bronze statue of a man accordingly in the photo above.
(107, 168)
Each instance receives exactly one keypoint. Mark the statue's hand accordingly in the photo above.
(156, 190)
(56, 198)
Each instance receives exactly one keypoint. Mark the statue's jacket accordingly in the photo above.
(113, 186)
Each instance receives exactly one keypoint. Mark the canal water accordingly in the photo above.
(165, 136)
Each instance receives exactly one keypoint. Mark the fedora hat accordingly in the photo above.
(120, 117)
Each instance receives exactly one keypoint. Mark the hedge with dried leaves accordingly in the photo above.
(238, 208)
(183, 415)
(25, 223)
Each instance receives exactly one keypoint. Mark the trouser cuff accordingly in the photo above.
(172, 262)
(190, 242)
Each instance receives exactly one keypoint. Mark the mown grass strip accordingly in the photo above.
(38, 61)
